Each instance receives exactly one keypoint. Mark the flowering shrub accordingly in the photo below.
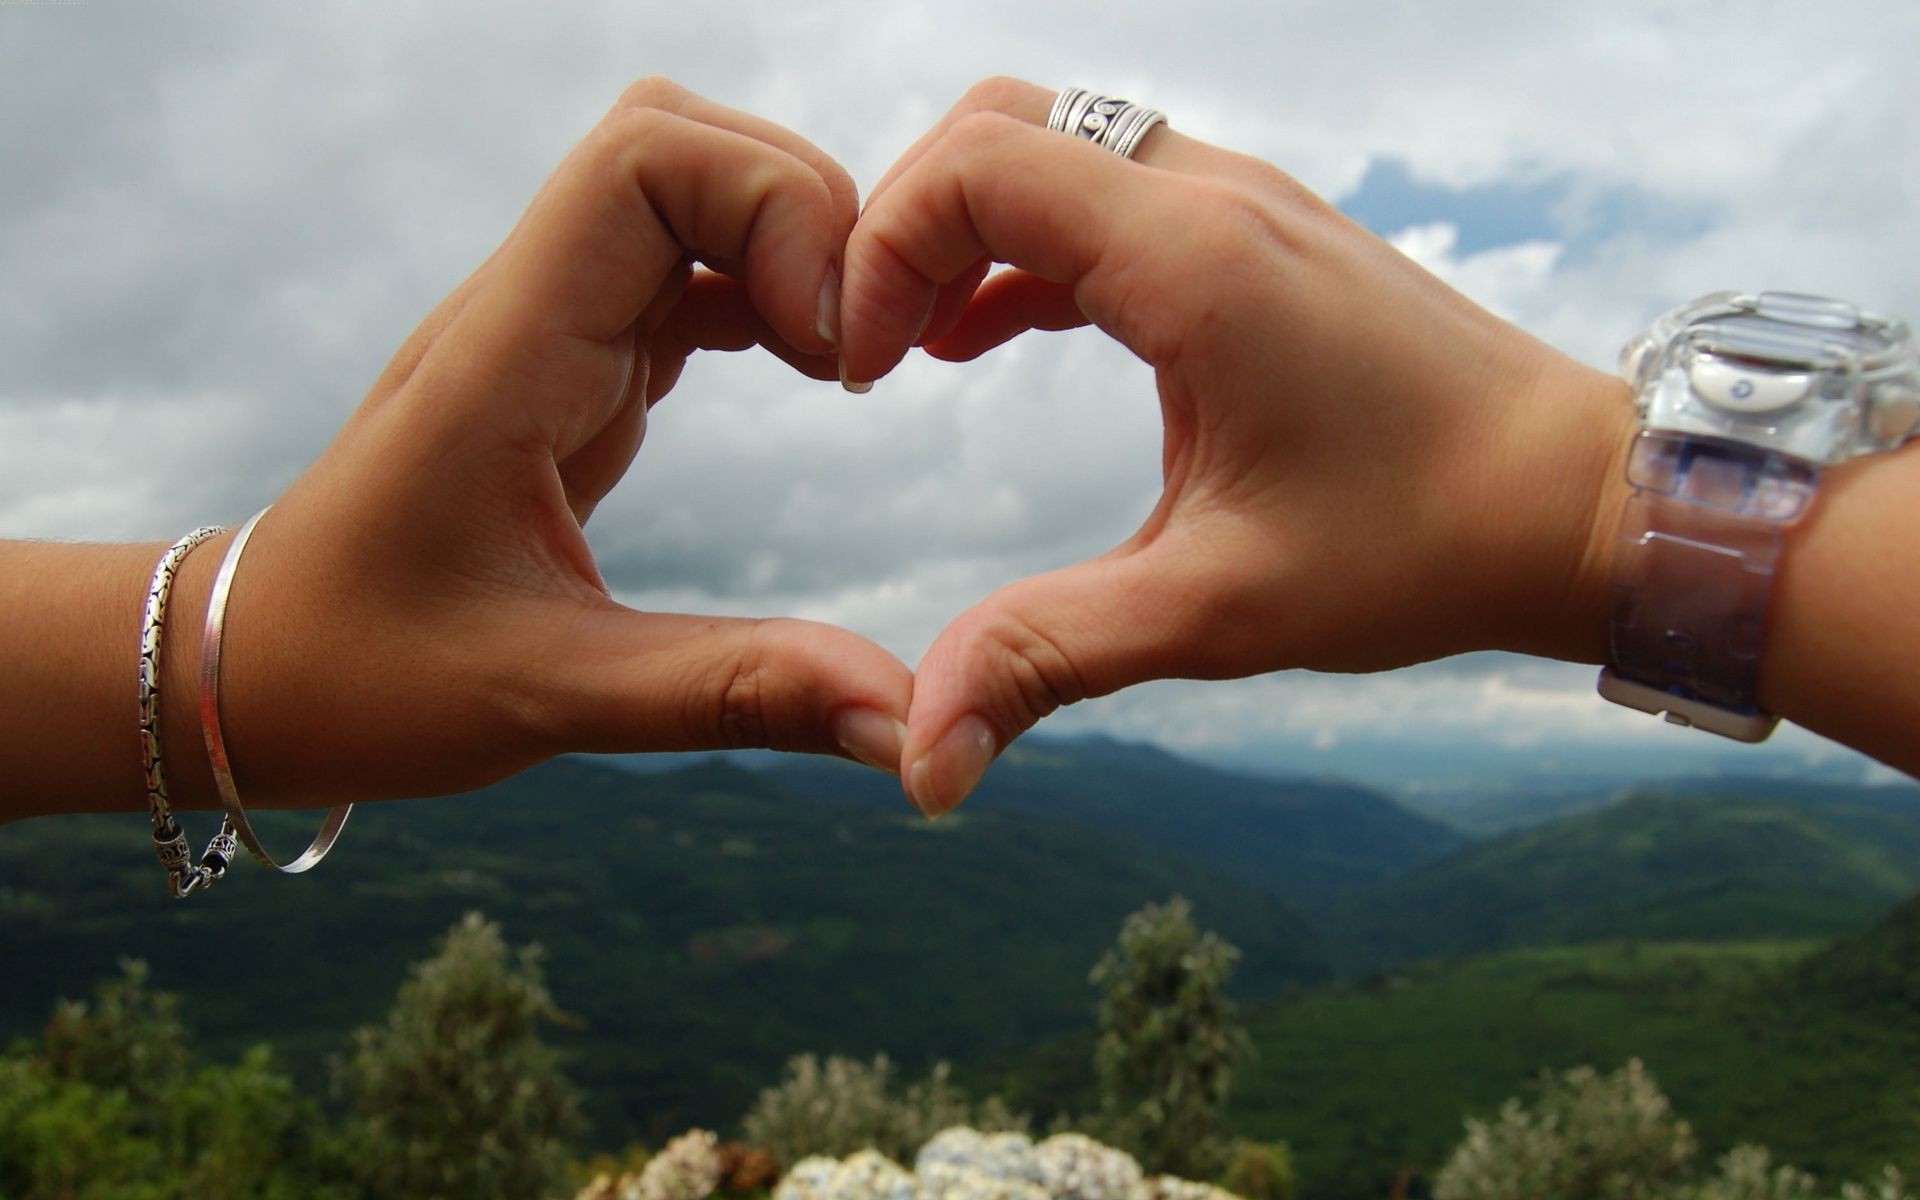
(688, 1168)
(966, 1164)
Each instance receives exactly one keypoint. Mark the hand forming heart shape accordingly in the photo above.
(1359, 470)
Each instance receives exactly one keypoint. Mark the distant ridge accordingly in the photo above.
(1303, 841)
(1730, 860)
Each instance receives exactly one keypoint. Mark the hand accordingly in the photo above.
(1362, 469)
(420, 612)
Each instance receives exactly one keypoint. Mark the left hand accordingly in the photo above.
(420, 612)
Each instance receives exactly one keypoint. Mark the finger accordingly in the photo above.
(1032, 647)
(1031, 103)
(952, 300)
(995, 187)
(631, 681)
(645, 191)
(1008, 305)
(717, 314)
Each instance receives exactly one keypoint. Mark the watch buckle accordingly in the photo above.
(1683, 710)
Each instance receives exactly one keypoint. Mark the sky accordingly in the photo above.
(217, 220)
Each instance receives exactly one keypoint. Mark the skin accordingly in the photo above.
(1363, 470)
(419, 613)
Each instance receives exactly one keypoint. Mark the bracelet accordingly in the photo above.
(210, 640)
(169, 842)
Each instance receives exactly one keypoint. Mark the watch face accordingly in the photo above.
(1799, 375)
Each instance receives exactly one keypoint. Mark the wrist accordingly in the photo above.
(1562, 504)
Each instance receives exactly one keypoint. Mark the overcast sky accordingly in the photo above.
(217, 220)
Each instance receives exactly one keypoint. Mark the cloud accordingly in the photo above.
(218, 220)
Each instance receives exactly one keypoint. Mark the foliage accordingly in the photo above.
(1615, 1137)
(1767, 862)
(1371, 1078)
(1169, 1041)
(108, 1108)
(717, 887)
(1259, 1171)
(456, 1095)
(843, 1105)
(1587, 1137)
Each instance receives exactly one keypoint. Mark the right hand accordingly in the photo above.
(1362, 468)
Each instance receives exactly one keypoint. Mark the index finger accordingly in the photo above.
(994, 186)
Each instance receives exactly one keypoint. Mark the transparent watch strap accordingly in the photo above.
(1699, 541)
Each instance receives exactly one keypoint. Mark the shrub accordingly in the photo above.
(1587, 1137)
(1260, 1171)
(843, 1105)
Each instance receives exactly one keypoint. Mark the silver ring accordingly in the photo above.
(1119, 125)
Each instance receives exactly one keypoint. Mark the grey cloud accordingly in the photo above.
(218, 219)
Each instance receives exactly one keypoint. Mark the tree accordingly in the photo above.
(109, 1107)
(1169, 1041)
(456, 1095)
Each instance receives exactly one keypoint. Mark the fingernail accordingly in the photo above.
(945, 774)
(827, 323)
(872, 737)
(858, 389)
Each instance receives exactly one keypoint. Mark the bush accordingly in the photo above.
(843, 1105)
(1260, 1171)
(1588, 1137)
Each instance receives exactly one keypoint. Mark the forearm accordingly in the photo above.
(69, 658)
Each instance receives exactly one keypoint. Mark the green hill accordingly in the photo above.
(1754, 861)
(1753, 1042)
(1303, 841)
(702, 925)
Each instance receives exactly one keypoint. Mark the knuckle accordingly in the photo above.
(654, 91)
(977, 131)
(1036, 674)
(731, 704)
(996, 93)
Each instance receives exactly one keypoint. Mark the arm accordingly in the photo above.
(1362, 469)
(420, 613)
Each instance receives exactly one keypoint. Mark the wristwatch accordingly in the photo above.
(1742, 399)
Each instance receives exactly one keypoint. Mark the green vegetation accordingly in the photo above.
(840, 1106)
(1303, 841)
(1169, 1041)
(1657, 867)
(702, 926)
(455, 1094)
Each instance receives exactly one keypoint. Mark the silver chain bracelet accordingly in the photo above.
(184, 876)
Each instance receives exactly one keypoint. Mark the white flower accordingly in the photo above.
(867, 1175)
(687, 1169)
(1075, 1167)
(1006, 1156)
(809, 1179)
(951, 1181)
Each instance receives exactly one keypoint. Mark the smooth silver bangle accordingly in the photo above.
(210, 640)
(184, 876)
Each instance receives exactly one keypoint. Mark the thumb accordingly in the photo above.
(634, 681)
(1028, 649)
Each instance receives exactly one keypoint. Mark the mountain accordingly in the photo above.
(1301, 841)
(1725, 860)
(701, 926)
